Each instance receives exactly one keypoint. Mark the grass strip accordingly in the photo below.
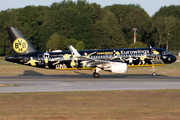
(7, 85)
(96, 105)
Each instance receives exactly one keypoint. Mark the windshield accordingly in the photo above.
(165, 52)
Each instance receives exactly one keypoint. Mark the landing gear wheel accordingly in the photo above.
(96, 75)
(154, 74)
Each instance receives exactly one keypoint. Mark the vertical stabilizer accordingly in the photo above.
(19, 43)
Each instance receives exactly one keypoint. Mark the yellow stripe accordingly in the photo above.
(150, 65)
(88, 68)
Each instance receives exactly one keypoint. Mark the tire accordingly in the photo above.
(154, 74)
(96, 75)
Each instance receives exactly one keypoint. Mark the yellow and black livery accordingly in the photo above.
(25, 53)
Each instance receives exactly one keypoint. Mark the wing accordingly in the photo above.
(74, 51)
(90, 61)
(112, 66)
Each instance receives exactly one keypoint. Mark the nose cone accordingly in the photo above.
(174, 58)
(171, 58)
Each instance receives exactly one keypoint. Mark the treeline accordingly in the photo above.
(88, 26)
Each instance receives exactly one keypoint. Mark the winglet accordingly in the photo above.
(74, 51)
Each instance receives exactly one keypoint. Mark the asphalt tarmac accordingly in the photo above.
(87, 83)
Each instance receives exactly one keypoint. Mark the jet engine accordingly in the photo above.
(117, 67)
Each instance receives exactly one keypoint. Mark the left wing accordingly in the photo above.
(115, 67)
(90, 61)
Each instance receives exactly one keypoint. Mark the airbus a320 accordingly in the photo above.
(112, 60)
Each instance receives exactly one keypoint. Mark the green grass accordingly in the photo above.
(96, 105)
(8, 85)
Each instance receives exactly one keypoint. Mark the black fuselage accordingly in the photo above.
(134, 57)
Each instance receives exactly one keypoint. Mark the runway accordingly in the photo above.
(87, 83)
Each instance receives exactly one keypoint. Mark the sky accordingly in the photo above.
(150, 6)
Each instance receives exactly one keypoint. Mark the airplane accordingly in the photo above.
(111, 60)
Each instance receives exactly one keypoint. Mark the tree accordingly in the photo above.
(170, 16)
(116, 37)
(137, 45)
(132, 16)
(100, 35)
(7, 18)
(174, 43)
(65, 20)
(166, 11)
(98, 11)
(82, 22)
(4, 17)
(66, 42)
(80, 45)
(106, 33)
(57, 42)
(169, 23)
(45, 32)
(31, 18)
(157, 31)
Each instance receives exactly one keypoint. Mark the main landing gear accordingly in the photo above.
(154, 73)
(96, 74)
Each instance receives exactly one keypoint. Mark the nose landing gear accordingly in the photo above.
(154, 73)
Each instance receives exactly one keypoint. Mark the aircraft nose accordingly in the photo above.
(173, 58)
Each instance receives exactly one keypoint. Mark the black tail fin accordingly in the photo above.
(19, 43)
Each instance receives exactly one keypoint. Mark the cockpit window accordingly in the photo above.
(165, 52)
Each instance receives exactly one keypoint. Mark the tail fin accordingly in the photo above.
(19, 43)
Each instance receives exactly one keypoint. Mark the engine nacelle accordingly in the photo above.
(118, 67)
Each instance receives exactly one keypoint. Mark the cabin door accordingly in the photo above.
(41, 59)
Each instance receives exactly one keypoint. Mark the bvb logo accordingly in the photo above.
(20, 45)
